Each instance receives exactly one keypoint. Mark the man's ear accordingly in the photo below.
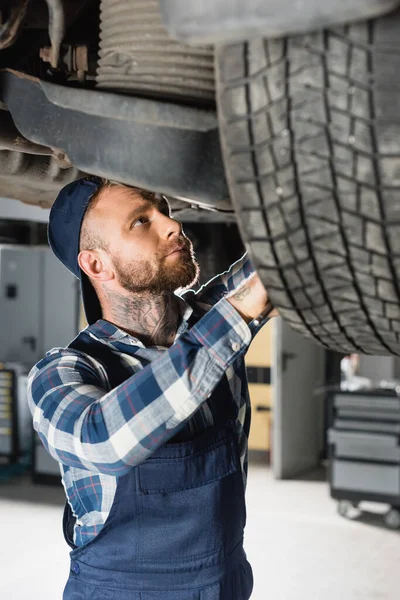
(96, 265)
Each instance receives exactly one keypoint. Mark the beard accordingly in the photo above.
(158, 275)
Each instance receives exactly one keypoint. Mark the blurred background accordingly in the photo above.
(324, 474)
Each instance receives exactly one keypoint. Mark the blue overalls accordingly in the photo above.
(175, 530)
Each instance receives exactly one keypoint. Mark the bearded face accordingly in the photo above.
(164, 273)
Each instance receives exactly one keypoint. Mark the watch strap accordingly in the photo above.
(263, 317)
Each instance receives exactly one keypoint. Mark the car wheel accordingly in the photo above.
(310, 132)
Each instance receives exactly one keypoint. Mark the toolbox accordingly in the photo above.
(364, 450)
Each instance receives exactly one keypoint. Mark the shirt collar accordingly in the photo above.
(106, 330)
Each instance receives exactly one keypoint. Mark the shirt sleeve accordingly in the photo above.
(83, 425)
(224, 285)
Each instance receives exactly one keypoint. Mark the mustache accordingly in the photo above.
(183, 243)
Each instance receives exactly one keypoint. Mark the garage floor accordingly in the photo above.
(300, 549)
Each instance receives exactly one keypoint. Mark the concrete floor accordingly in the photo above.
(299, 547)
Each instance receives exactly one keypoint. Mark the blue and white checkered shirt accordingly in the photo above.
(97, 433)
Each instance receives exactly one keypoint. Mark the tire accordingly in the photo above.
(310, 133)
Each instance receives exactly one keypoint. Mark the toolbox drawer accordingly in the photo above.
(365, 445)
(363, 477)
(369, 402)
(362, 425)
(372, 415)
(372, 406)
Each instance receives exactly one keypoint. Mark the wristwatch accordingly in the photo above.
(263, 316)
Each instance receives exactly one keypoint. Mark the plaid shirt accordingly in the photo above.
(97, 433)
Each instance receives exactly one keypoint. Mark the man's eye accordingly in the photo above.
(139, 221)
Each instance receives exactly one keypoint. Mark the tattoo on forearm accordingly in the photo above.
(242, 293)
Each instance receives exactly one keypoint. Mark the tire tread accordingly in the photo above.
(311, 168)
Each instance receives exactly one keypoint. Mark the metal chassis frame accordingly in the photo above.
(161, 146)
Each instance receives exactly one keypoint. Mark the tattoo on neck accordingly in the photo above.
(154, 320)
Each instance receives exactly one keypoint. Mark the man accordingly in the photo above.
(147, 410)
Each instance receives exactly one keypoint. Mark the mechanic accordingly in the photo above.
(147, 410)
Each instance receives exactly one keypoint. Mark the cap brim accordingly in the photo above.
(91, 302)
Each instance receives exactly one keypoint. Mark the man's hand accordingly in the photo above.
(250, 299)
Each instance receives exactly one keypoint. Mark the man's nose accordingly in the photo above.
(171, 227)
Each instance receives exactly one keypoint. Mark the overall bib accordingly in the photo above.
(175, 530)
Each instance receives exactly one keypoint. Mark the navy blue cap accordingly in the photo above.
(65, 222)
